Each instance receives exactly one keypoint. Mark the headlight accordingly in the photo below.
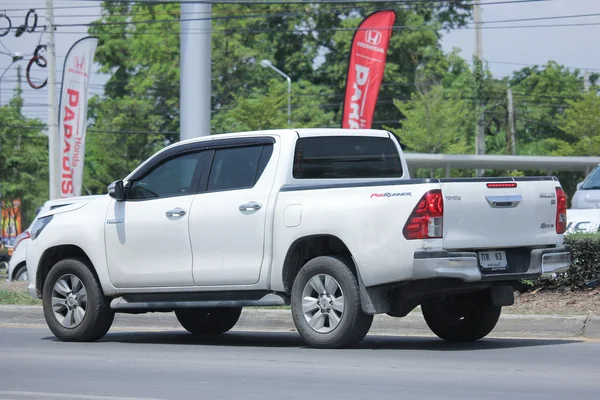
(39, 226)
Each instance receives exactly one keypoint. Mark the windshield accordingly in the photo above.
(592, 181)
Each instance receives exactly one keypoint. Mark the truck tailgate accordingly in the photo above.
(486, 215)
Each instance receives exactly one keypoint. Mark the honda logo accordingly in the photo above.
(373, 37)
(79, 62)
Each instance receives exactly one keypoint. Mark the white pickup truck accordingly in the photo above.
(325, 220)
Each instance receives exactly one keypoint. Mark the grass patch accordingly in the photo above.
(15, 293)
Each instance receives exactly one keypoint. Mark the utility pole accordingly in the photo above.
(512, 142)
(19, 82)
(19, 95)
(195, 71)
(53, 139)
(478, 61)
(586, 81)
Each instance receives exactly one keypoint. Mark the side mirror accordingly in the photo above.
(116, 190)
(579, 185)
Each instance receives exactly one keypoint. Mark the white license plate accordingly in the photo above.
(494, 260)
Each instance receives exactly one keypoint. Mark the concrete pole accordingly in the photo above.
(586, 81)
(511, 124)
(53, 139)
(480, 134)
(19, 93)
(195, 71)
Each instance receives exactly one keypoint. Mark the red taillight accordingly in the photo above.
(502, 185)
(21, 237)
(561, 210)
(425, 222)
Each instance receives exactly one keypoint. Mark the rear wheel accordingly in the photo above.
(75, 308)
(208, 321)
(326, 305)
(461, 318)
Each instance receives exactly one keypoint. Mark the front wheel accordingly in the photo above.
(208, 321)
(326, 305)
(21, 274)
(75, 308)
(461, 318)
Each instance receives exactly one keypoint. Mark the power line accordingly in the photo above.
(278, 14)
(536, 65)
(543, 18)
(288, 13)
(305, 31)
(304, 2)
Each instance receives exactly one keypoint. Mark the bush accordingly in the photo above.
(585, 264)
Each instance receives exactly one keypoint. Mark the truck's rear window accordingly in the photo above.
(336, 157)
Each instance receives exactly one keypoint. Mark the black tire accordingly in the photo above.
(98, 314)
(19, 271)
(353, 325)
(461, 318)
(208, 321)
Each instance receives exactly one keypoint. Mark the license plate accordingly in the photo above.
(493, 260)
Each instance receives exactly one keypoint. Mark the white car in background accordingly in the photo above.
(17, 269)
(587, 195)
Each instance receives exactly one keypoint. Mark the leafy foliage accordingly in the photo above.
(259, 111)
(23, 160)
(581, 123)
(429, 99)
(584, 271)
(308, 41)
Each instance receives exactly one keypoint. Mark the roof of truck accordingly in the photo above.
(304, 132)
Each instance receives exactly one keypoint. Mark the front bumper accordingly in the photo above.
(523, 264)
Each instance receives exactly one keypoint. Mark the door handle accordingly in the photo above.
(176, 212)
(510, 201)
(250, 206)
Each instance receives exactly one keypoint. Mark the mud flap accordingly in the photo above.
(502, 296)
(373, 300)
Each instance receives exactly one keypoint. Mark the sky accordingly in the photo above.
(506, 50)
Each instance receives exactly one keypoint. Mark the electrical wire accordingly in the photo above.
(289, 2)
(306, 31)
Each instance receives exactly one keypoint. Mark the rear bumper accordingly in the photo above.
(465, 265)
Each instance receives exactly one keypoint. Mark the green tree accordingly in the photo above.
(433, 122)
(23, 159)
(581, 121)
(260, 110)
(139, 49)
(541, 96)
(440, 116)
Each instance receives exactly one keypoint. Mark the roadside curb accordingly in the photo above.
(510, 325)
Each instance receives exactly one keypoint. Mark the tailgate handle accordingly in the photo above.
(510, 201)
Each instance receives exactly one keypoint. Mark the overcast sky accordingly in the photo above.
(505, 49)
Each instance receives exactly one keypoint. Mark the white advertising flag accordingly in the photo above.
(72, 114)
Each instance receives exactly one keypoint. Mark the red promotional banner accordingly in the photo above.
(365, 70)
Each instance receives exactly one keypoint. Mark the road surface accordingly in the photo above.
(240, 365)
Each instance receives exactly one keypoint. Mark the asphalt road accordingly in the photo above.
(240, 365)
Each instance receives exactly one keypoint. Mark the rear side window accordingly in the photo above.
(338, 157)
(238, 167)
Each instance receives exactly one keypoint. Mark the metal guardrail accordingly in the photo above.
(498, 162)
